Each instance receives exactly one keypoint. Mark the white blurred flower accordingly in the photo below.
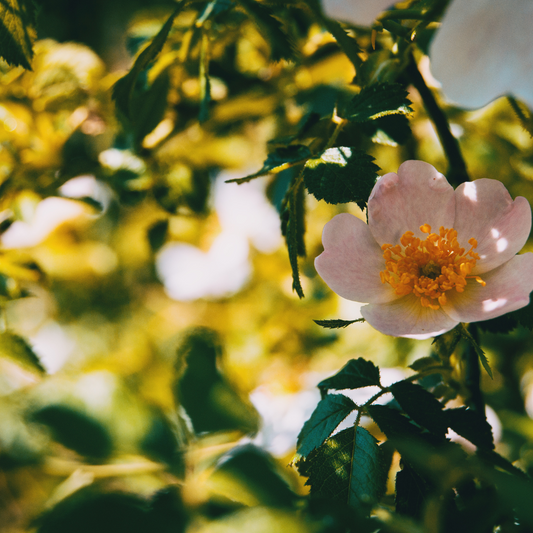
(188, 273)
(49, 214)
(483, 50)
(360, 12)
(245, 215)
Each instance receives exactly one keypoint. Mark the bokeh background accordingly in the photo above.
(149, 326)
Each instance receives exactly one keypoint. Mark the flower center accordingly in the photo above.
(429, 268)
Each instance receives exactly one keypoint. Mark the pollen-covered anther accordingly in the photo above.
(431, 267)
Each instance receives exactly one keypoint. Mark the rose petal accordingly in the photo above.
(402, 202)
(486, 212)
(352, 260)
(405, 317)
(508, 288)
(483, 51)
(359, 12)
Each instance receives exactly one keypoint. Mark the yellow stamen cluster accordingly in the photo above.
(429, 268)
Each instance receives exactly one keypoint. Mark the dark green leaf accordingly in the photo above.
(150, 106)
(412, 491)
(257, 474)
(446, 343)
(393, 423)
(524, 316)
(281, 46)
(19, 350)
(379, 100)
(337, 323)
(329, 413)
(280, 159)
(517, 492)
(16, 32)
(293, 229)
(347, 471)
(470, 425)
(479, 352)
(355, 374)
(341, 175)
(210, 400)
(90, 509)
(423, 363)
(157, 234)
(390, 130)
(75, 430)
(123, 88)
(421, 406)
(501, 324)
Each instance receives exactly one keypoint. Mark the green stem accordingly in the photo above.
(457, 172)
(473, 373)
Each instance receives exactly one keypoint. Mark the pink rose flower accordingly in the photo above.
(430, 256)
(483, 50)
(363, 13)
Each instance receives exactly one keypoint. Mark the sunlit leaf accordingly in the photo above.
(278, 160)
(355, 374)
(423, 363)
(16, 31)
(17, 349)
(329, 413)
(379, 100)
(350, 471)
(341, 175)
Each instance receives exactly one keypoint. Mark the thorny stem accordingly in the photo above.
(457, 172)
(473, 374)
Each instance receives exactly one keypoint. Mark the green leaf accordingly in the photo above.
(479, 352)
(19, 350)
(379, 100)
(337, 323)
(524, 316)
(470, 425)
(329, 413)
(150, 106)
(348, 467)
(75, 430)
(157, 234)
(390, 130)
(341, 175)
(256, 474)
(393, 423)
(293, 229)
(412, 491)
(421, 406)
(281, 45)
(355, 374)
(280, 159)
(16, 31)
(210, 400)
(446, 343)
(123, 88)
(423, 363)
